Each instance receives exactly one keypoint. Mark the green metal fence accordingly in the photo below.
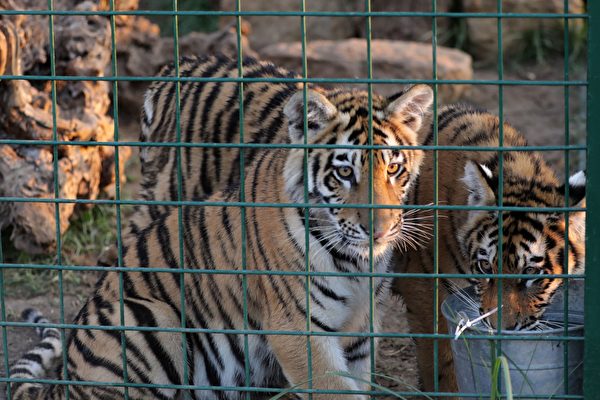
(592, 277)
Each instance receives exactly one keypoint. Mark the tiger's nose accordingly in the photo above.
(381, 234)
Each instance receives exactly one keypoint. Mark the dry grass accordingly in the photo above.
(88, 234)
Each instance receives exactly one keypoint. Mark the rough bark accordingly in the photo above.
(81, 48)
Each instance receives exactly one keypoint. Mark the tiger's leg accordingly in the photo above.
(151, 357)
(327, 357)
(327, 354)
(358, 356)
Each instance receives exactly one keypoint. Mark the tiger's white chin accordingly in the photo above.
(363, 248)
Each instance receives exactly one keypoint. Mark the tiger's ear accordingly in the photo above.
(319, 112)
(577, 183)
(410, 107)
(480, 183)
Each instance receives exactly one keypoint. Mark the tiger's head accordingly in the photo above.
(336, 176)
(533, 243)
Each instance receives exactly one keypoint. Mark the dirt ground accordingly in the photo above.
(537, 111)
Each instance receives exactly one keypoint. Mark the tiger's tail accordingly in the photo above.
(38, 360)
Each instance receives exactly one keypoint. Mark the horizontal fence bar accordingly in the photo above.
(533, 336)
(214, 271)
(289, 205)
(31, 142)
(298, 14)
(502, 82)
(268, 390)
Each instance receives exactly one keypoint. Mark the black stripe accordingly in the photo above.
(144, 317)
(226, 224)
(208, 72)
(45, 346)
(100, 393)
(254, 324)
(207, 108)
(355, 345)
(382, 135)
(315, 170)
(188, 237)
(36, 358)
(209, 369)
(164, 238)
(227, 323)
(356, 357)
(200, 317)
(141, 246)
(131, 347)
(160, 130)
(327, 291)
(274, 106)
(90, 357)
(300, 308)
(459, 130)
(21, 371)
(257, 250)
(204, 245)
(217, 131)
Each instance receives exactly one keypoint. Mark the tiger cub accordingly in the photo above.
(275, 238)
(533, 243)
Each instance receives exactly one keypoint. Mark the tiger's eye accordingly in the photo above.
(484, 266)
(530, 270)
(345, 172)
(393, 168)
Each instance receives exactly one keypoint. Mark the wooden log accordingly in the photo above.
(82, 47)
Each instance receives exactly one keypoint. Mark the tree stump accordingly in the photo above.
(82, 47)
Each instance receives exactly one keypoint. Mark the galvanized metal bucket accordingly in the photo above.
(536, 366)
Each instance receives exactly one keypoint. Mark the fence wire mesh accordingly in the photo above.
(592, 83)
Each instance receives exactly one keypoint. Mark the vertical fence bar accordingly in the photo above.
(372, 303)
(436, 258)
(184, 351)
(591, 383)
(240, 54)
(57, 192)
(306, 196)
(566, 214)
(115, 99)
(498, 346)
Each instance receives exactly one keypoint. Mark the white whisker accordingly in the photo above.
(464, 297)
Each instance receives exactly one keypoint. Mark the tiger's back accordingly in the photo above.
(209, 112)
